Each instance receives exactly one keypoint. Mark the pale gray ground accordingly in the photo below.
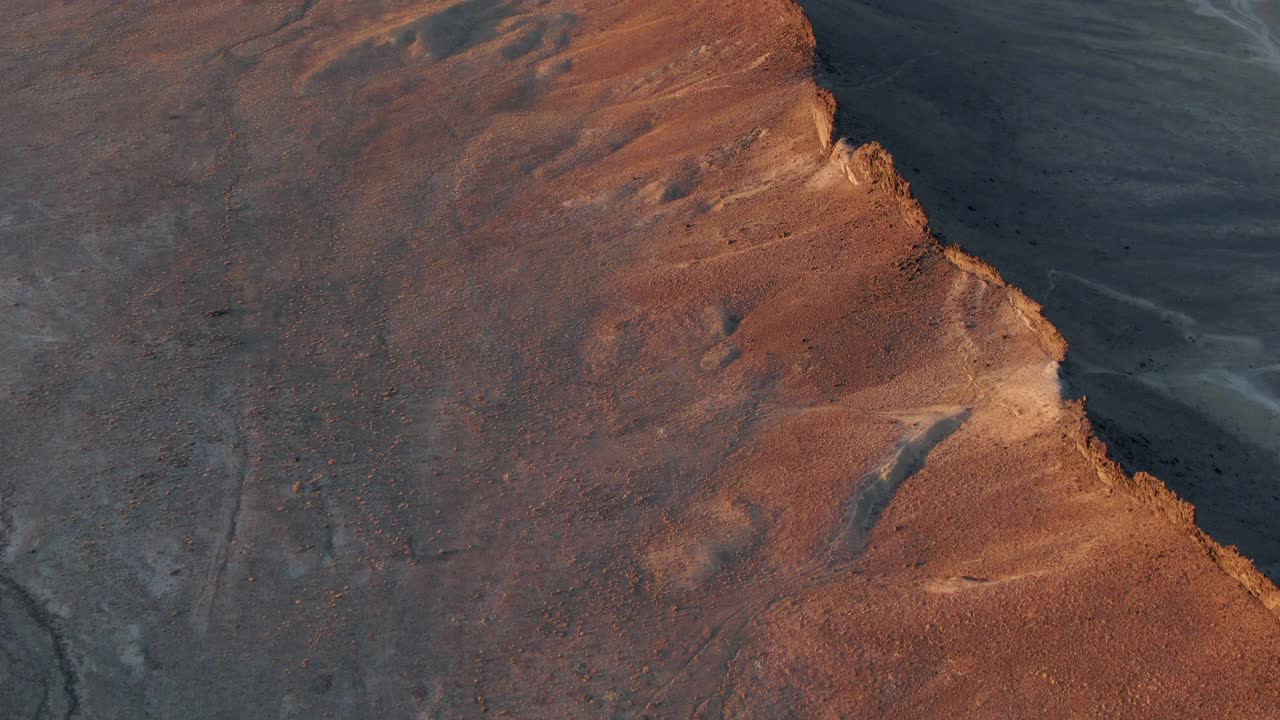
(1121, 162)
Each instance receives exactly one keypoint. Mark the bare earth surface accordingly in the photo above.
(1120, 161)
(541, 360)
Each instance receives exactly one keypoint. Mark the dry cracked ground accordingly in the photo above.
(538, 359)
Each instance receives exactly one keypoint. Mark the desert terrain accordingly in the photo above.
(1119, 161)
(542, 359)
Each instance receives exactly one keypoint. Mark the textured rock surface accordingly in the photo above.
(435, 359)
(1119, 161)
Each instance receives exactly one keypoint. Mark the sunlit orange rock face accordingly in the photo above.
(541, 360)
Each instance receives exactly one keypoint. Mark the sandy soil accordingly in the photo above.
(538, 360)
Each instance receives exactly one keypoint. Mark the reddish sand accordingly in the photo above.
(541, 360)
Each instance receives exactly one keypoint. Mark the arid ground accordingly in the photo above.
(541, 359)
(1120, 161)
